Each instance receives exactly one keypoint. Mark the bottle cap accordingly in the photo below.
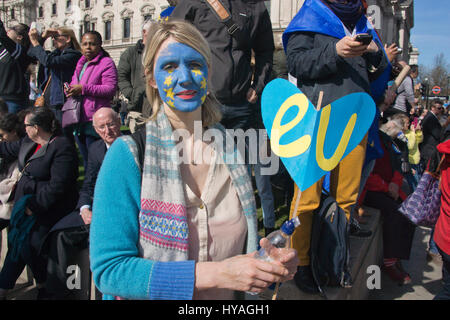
(289, 226)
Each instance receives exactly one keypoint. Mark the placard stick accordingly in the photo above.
(402, 75)
(299, 195)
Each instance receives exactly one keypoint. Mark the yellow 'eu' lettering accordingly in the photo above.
(300, 145)
(331, 163)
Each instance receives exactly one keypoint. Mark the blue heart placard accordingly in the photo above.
(309, 142)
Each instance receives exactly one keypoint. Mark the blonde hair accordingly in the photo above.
(394, 125)
(187, 34)
(67, 32)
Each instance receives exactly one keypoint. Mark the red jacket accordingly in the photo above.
(383, 174)
(442, 229)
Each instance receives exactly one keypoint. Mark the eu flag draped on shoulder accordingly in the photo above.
(317, 17)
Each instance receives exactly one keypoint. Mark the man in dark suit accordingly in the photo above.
(69, 238)
(431, 129)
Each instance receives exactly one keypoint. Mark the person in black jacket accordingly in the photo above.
(131, 80)
(325, 57)
(431, 128)
(69, 239)
(49, 165)
(234, 83)
(14, 61)
(59, 65)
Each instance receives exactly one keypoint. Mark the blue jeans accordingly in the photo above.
(264, 186)
(432, 247)
(242, 116)
(445, 292)
(16, 106)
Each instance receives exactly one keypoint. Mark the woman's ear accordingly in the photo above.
(150, 80)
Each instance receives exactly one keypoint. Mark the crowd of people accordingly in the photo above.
(158, 228)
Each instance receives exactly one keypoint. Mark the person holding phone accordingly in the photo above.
(326, 52)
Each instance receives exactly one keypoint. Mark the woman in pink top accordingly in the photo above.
(95, 79)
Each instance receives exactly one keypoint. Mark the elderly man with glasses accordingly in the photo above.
(69, 239)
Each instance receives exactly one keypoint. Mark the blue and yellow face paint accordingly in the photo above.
(181, 77)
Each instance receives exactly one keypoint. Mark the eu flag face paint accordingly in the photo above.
(180, 74)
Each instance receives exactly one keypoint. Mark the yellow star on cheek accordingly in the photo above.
(203, 84)
(197, 72)
(170, 103)
(169, 93)
(168, 81)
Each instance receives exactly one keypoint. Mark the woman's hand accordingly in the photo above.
(245, 273)
(75, 90)
(285, 257)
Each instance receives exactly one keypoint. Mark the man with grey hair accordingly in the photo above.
(132, 80)
(69, 238)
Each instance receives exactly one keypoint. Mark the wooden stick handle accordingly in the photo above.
(299, 195)
(398, 81)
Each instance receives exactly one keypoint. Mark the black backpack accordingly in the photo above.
(329, 251)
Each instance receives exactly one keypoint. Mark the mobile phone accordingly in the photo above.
(66, 86)
(364, 38)
(399, 50)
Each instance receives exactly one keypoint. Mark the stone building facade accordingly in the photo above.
(120, 21)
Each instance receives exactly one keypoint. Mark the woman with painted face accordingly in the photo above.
(174, 226)
(95, 81)
(58, 65)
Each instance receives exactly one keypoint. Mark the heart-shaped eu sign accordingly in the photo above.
(309, 142)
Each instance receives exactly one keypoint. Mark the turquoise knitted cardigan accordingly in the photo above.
(116, 262)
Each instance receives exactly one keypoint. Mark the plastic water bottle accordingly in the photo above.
(279, 239)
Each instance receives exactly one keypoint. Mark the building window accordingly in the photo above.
(107, 30)
(87, 26)
(93, 26)
(41, 12)
(126, 28)
(87, 3)
(68, 5)
(54, 12)
(148, 17)
(13, 14)
(108, 2)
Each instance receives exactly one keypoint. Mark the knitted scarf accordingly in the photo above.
(163, 218)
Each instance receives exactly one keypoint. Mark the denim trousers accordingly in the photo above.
(242, 116)
(444, 294)
(16, 106)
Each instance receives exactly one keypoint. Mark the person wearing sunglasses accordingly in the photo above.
(46, 191)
